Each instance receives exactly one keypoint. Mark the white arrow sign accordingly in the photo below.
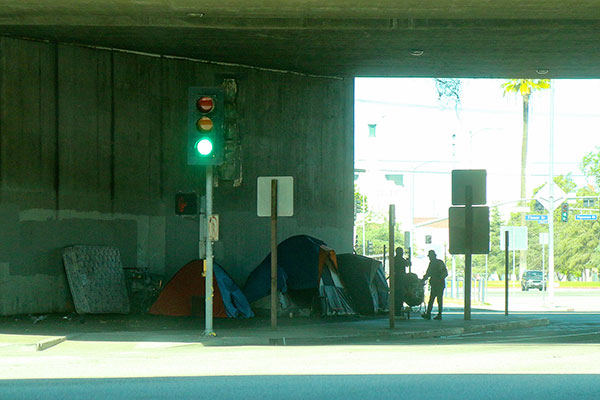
(543, 196)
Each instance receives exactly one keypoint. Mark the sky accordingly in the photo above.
(422, 140)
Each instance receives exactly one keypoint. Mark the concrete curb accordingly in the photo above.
(43, 344)
(372, 336)
(500, 326)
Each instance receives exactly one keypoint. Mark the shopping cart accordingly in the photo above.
(413, 294)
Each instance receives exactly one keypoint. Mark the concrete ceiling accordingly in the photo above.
(457, 38)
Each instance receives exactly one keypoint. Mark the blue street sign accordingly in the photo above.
(586, 217)
(536, 217)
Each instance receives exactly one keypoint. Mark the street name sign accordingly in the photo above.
(536, 217)
(586, 217)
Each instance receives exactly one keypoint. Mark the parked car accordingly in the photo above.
(533, 279)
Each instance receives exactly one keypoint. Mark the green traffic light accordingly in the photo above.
(204, 146)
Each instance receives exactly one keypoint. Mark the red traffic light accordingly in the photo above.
(205, 104)
(186, 204)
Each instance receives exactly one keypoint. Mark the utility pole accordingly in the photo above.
(551, 216)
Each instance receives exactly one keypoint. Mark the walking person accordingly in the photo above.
(437, 273)
(400, 264)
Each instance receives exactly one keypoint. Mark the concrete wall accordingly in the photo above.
(92, 151)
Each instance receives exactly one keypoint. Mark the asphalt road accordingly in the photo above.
(557, 361)
(302, 387)
(535, 300)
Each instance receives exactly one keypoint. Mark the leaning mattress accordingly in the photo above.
(96, 279)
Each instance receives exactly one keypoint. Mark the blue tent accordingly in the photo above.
(297, 268)
(307, 271)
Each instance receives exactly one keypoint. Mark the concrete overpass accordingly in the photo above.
(470, 38)
(93, 109)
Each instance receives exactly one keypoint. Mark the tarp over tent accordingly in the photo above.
(306, 266)
(365, 282)
(184, 294)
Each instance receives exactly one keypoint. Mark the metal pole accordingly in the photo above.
(485, 278)
(208, 302)
(454, 280)
(468, 241)
(513, 273)
(550, 289)
(543, 266)
(363, 241)
(412, 210)
(506, 247)
(274, 292)
(392, 300)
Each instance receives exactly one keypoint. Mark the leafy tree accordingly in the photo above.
(496, 256)
(448, 90)
(577, 242)
(524, 87)
(375, 225)
(590, 165)
(577, 246)
(565, 182)
(360, 203)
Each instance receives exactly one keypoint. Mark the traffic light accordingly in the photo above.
(357, 204)
(205, 144)
(369, 247)
(538, 207)
(186, 204)
(564, 212)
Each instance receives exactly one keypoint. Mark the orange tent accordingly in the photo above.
(185, 293)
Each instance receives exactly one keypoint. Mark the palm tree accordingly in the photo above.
(524, 87)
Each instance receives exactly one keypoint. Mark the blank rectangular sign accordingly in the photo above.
(517, 237)
(475, 179)
(480, 236)
(285, 196)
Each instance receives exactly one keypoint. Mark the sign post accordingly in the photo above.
(544, 242)
(469, 226)
(274, 296)
(506, 243)
(511, 238)
(275, 198)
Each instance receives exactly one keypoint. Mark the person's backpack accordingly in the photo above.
(444, 270)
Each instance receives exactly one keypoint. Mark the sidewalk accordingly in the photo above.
(25, 334)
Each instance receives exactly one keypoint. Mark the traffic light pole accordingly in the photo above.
(208, 330)
(274, 292)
